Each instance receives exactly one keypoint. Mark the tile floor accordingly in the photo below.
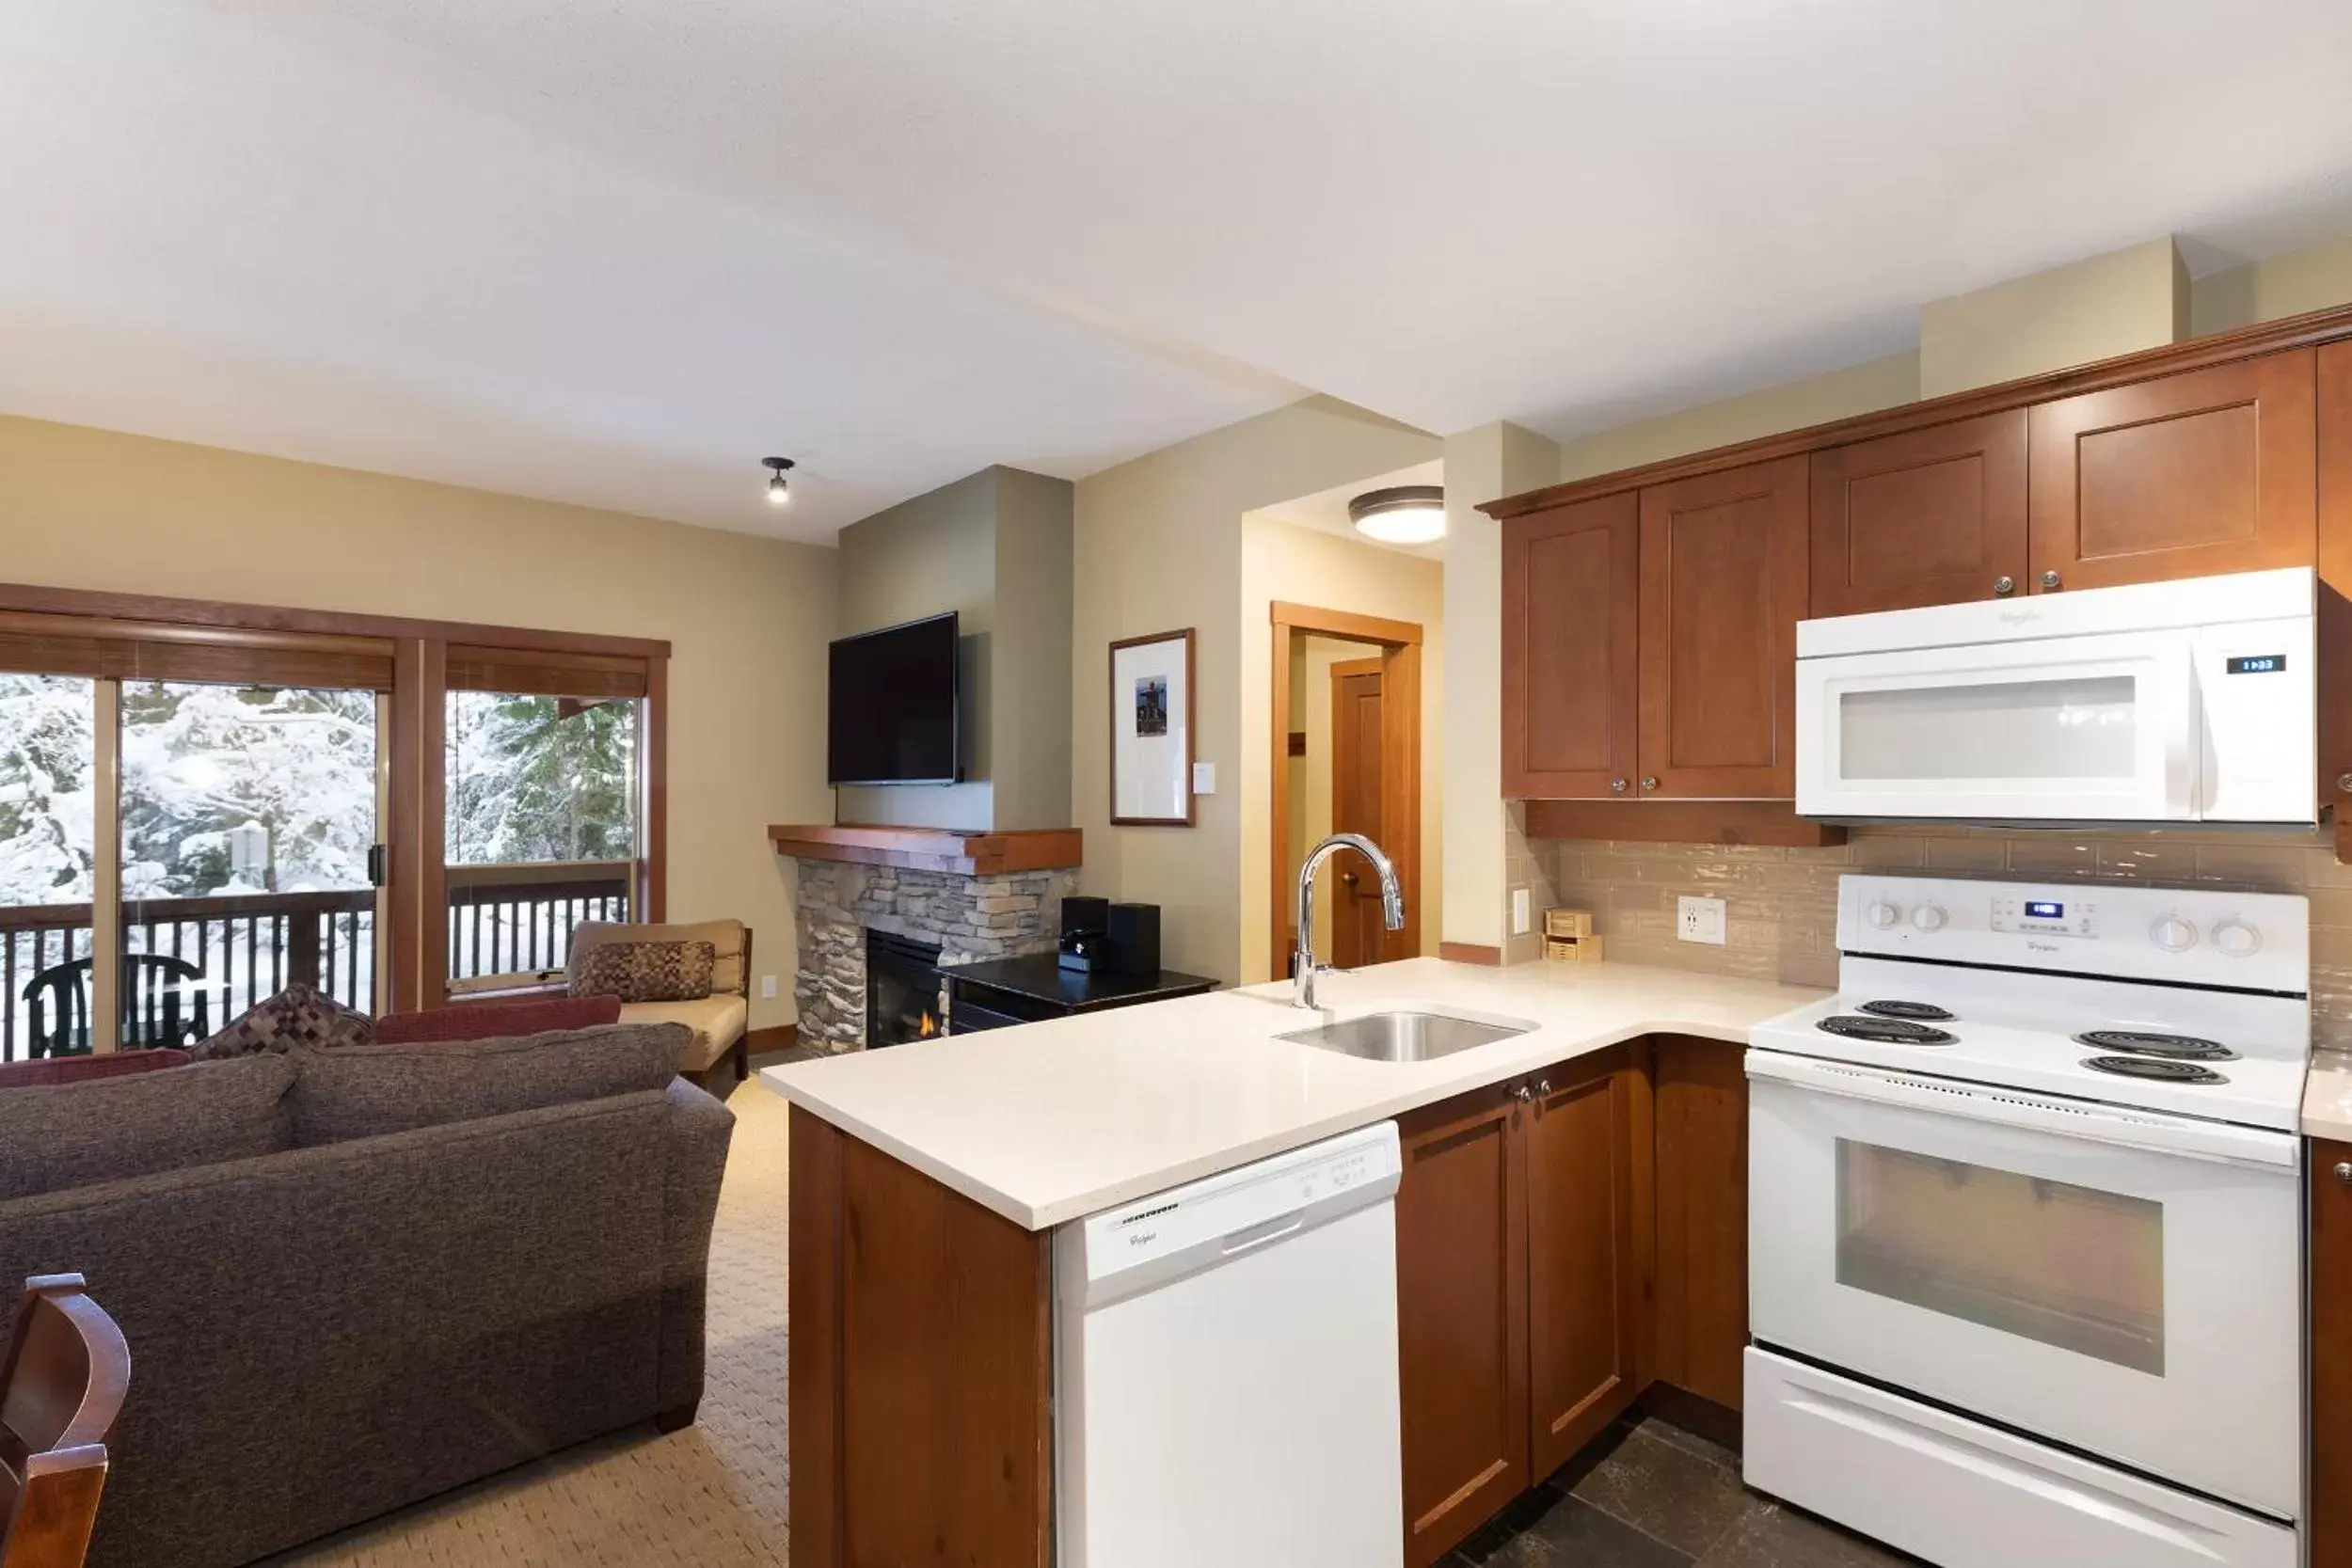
(1652, 1496)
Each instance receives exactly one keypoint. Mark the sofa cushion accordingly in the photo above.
(364, 1090)
(645, 971)
(78, 1069)
(483, 1020)
(298, 1018)
(716, 1022)
(63, 1135)
(727, 939)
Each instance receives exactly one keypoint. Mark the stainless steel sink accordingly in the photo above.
(1403, 1036)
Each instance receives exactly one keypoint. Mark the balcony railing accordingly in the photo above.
(505, 921)
(515, 922)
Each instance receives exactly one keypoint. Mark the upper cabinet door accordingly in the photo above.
(1928, 517)
(2335, 584)
(1571, 583)
(1724, 584)
(2189, 475)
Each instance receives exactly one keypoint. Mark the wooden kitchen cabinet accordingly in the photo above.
(2331, 1525)
(1583, 1283)
(1724, 585)
(1921, 517)
(1700, 1304)
(2208, 471)
(2335, 586)
(1461, 1287)
(1571, 584)
(1516, 1288)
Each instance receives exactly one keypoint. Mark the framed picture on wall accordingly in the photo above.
(1151, 730)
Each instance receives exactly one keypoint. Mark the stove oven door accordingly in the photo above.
(2122, 1282)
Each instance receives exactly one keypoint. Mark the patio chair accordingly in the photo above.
(152, 1009)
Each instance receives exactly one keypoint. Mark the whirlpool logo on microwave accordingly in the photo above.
(2019, 617)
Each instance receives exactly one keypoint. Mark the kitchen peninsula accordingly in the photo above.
(1591, 1161)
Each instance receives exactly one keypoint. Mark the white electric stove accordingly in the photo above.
(2025, 1254)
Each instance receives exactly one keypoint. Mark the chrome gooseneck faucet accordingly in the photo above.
(1303, 966)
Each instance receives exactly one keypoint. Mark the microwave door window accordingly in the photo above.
(2082, 728)
(2066, 1265)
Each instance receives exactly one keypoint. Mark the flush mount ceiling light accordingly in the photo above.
(779, 494)
(1402, 515)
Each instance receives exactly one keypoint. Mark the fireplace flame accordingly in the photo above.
(928, 1027)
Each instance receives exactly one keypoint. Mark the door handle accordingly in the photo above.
(1348, 877)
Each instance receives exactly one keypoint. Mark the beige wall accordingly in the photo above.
(747, 618)
(2096, 309)
(1281, 563)
(1815, 400)
(994, 547)
(2310, 279)
(1158, 547)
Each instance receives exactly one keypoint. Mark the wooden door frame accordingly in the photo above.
(1400, 682)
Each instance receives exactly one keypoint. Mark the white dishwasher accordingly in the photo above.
(1226, 1370)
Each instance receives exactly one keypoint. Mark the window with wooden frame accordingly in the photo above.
(222, 798)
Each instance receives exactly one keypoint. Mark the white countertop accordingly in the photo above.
(2327, 1095)
(1050, 1121)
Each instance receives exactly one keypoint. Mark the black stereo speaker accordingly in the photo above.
(1135, 932)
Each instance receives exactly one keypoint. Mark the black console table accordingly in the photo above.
(1003, 991)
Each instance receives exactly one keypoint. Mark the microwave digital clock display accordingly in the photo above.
(2255, 664)
(2041, 909)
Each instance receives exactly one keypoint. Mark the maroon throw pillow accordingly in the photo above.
(300, 1018)
(490, 1020)
(75, 1070)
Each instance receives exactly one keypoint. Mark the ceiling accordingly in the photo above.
(615, 254)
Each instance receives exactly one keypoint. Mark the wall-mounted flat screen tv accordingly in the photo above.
(892, 705)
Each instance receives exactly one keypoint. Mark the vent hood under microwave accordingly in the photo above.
(2193, 701)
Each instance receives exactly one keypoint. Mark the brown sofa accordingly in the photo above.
(720, 1024)
(352, 1279)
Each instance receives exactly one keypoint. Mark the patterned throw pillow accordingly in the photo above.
(645, 971)
(295, 1018)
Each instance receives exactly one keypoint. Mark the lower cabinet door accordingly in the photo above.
(1701, 1308)
(1583, 1278)
(2331, 1274)
(1462, 1318)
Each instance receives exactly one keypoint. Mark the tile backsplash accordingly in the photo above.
(1783, 903)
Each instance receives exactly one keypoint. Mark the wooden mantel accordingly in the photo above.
(967, 854)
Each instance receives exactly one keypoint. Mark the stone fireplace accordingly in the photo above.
(969, 914)
(902, 989)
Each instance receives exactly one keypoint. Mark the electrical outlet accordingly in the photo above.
(1521, 917)
(1699, 920)
(767, 988)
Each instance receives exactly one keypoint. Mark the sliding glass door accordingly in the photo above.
(249, 825)
(48, 768)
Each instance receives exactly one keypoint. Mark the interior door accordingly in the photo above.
(1927, 516)
(2189, 475)
(1461, 1220)
(1571, 592)
(2130, 1303)
(1358, 744)
(1724, 585)
(1583, 1278)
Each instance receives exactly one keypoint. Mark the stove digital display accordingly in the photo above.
(2042, 909)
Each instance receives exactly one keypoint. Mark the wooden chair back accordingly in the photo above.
(60, 1389)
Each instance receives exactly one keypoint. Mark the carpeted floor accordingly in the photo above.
(712, 1496)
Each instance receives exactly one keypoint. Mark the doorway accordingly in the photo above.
(1346, 705)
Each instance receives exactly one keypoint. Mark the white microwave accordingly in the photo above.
(2193, 701)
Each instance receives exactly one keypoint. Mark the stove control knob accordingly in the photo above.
(2235, 939)
(1882, 915)
(1927, 917)
(2173, 934)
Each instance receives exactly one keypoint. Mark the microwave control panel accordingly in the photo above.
(2046, 917)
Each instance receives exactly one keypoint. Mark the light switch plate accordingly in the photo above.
(1699, 920)
(767, 988)
(1520, 918)
(1204, 778)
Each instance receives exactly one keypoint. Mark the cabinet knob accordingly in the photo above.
(1616, 786)
(2344, 782)
(1543, 1085)
(1649, 781)
(2343, 1172)
(2004, 587)
(2049, 579)
(1523, 1093)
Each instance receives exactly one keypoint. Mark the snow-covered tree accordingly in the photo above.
(45, 800)
(534, 778)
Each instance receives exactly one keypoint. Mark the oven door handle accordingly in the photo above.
(2073, 1118)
